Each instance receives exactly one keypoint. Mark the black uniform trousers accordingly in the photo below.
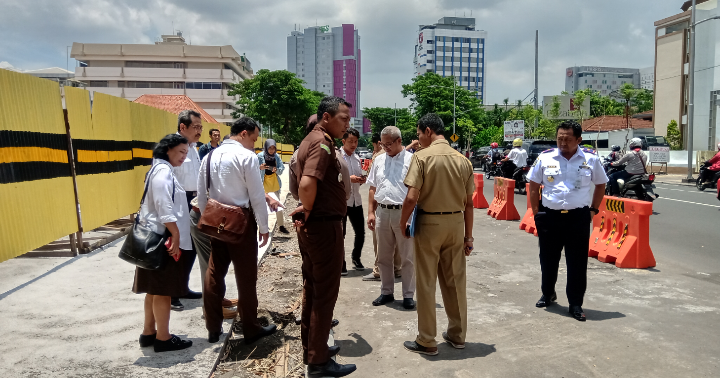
(569, 230)
(357, 220)
(190, 260)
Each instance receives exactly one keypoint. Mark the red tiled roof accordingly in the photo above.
(609, 123)
(174, 104)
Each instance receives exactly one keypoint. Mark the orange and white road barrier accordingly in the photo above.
(528, 221)
(479, 201)
(502, 206)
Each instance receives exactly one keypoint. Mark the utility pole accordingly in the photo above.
(536, 79)
(454, 117)
(691, 95)
(395, 114)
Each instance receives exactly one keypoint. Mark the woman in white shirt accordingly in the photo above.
(164, 210)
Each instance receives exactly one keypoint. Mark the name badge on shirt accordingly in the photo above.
(339, 177)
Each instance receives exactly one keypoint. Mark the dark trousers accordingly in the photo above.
(572, 232)
(614, 186)
(322, 249)
(707, 175)
(508, 169)
(190, 260)
(243, 256)
(357, 221)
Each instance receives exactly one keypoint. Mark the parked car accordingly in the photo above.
(535, 147)
(478, 157)
(656, 140)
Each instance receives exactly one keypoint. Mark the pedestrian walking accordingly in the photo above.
(211, 145)
(319, 224)
(440, 182)
(190, 127)
(234, 181)
(354, 203)
(387, 193)
(164, 207)
(574, 185)
(271, 167)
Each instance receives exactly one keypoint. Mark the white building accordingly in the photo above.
(202, 73)
(647, 78)
(328, 60)
(453, 47)
(601, 79)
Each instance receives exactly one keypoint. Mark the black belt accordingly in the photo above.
(568, 211)
(329, 218)
(391, 207)
(438, 212)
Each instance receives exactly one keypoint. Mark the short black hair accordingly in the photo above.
(212, 131)
(375, 138)
(351, 131)
(331, 105)
(226, 137)
(167, 143)
(184, 117)
(576, 128)
(243, 124)
(433, 121)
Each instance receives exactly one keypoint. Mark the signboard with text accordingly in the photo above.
(659, 154)
(514, 129)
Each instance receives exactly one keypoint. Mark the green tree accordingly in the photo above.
(277, 99)
(644, 100)
(673, 136)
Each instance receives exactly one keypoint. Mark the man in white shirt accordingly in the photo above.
(354, 203)
(387, 193)
(517, 158)
(234, 181)
(189, 126)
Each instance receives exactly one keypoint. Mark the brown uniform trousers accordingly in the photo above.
(322, 249)
(243, 256)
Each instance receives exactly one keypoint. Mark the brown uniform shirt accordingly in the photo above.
(443, 176)
(316, 158)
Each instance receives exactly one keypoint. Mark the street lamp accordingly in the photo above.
(691, 89)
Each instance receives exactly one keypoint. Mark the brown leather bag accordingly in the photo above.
(220, 221)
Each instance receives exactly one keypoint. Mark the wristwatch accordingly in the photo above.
(469, 239)
(595, 210)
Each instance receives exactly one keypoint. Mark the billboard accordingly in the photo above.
(514, 129)
(659, 154)
(568, 109)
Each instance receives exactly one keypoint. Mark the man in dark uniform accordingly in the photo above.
(320, 234)
(574, 186)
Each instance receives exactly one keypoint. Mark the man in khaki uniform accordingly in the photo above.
(440, 182)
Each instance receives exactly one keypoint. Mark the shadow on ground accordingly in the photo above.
(354, 348)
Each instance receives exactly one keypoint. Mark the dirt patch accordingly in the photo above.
(279, 290)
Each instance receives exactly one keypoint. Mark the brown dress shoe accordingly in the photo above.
(229, 314)
(229, 302)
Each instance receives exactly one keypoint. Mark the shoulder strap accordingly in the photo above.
(207, 173)
(641, 161)
(147, 185)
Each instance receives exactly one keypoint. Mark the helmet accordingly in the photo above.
(615, 147)
(494, 145)
(635, 142)
(517, 142)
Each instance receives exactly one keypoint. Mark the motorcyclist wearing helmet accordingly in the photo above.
(714, 168)
(494, 154)
(634, 161)
(615, 155)
(517, 158)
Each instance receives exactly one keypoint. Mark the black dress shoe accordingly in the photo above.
(344, 271)
(544, 302)
(173, 343)
(357, 264)
(382, 299)
(417, 348)
(577, 313)
(175, 305)
(333, 350)
(266, 331)
(330, 369)
(283, 230)
(334, 323)
(408, 303)
(193, 295)
(214, 337)
(147, 340)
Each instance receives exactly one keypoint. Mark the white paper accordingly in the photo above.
(273, 196)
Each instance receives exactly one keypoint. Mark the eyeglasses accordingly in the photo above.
(198, 128)
(383, 145)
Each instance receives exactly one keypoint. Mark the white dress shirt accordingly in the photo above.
(518, 156)
(387, 175)
(187, 173)
(568, 184)
(353, 165)
(234, 181)
(159, 207)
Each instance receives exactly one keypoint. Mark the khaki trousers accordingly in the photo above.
(396, 258)
(390, 240)
(439, 255)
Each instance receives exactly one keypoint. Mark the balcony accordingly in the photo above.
(160, 74)
(133, 93)
(155, 74)
(98, 73)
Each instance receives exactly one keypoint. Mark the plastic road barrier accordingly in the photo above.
(621, 233)
(479, 201)
(528, 221)
(502, 206)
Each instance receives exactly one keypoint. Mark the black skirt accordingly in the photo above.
(169, 281)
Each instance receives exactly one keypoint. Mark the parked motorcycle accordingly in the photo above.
(640, 185)
(702, 185)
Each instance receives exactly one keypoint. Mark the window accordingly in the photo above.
(609, 87)
(429, 41)
(203, 85)
(429, 61)
(456, 39)
(98, 83)
(594, 82)
(154, 64)
(429, 52)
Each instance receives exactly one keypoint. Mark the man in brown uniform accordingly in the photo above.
(440, 183)
(320, 234)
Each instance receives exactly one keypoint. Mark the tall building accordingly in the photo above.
(453, 47)
(602, 79)
(172, 67)
(328, 60)
(647, 78)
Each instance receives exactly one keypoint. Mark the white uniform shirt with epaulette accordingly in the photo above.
(567, 184)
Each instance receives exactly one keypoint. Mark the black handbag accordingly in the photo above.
(143, 247)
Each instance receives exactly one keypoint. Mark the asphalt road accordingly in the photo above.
(684, 229)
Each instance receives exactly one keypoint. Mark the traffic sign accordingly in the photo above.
(454, 138)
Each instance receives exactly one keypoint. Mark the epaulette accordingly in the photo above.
(588, 151)
(550, 150)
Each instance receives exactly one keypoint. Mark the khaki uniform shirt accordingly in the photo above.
(443, 176)
(317, 158)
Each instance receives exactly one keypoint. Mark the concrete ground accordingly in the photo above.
(641, 322)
